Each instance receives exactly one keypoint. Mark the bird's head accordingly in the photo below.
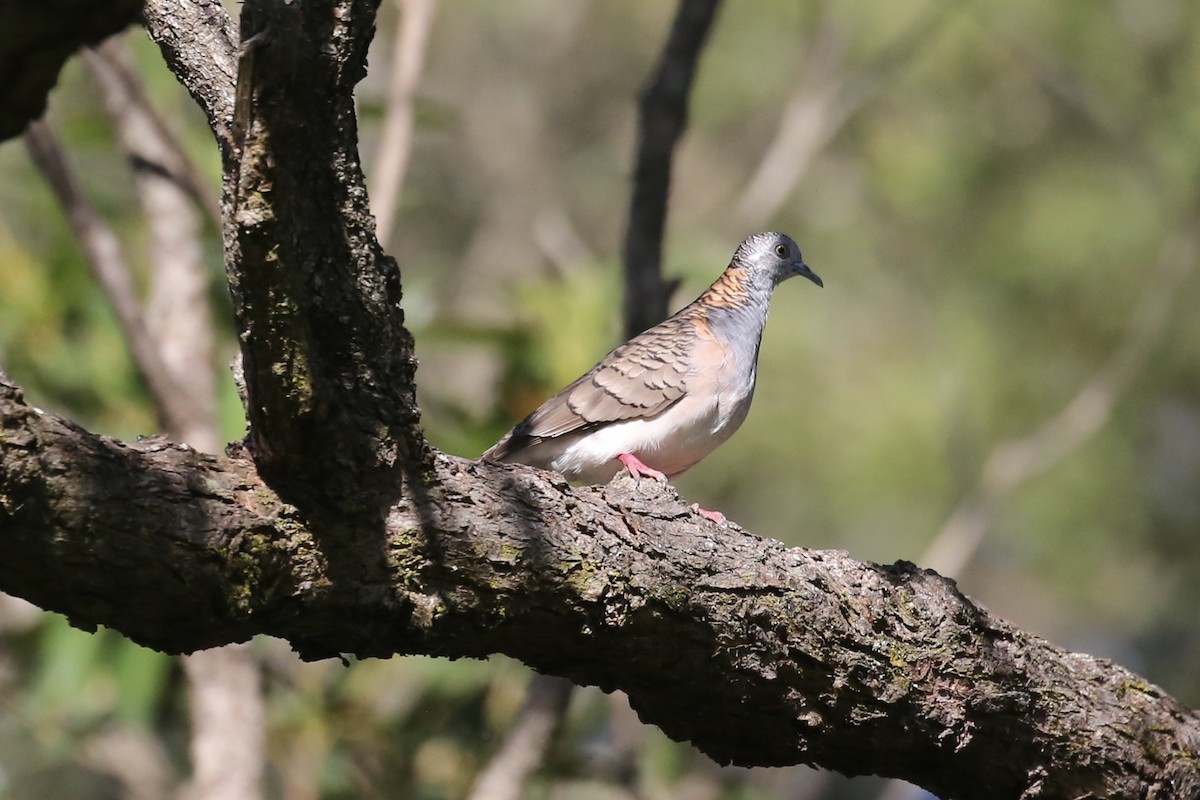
(775, 256)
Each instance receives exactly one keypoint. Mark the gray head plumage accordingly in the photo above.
(773, 255)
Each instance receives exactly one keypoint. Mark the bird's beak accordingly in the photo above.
(802, 269)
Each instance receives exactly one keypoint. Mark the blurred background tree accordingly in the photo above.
(1000, 381)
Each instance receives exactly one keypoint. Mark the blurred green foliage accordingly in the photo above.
(988, 219)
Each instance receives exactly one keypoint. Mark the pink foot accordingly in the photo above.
(715, 516)
(637, 468)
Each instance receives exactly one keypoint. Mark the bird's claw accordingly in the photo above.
(714, 516)
(637, 468)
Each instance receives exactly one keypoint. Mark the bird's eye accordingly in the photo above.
(781, 250)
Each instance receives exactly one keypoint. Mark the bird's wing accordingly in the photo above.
(640, 379)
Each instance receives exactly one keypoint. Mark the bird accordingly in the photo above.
(669, 396)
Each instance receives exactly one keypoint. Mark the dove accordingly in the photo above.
(668, 397)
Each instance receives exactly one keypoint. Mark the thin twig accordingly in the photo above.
(111, 65)
(102, 252)
(827, 98)
(1014, 462)
(395, 143)
(663, 116)
(524, 747)
(178, 318)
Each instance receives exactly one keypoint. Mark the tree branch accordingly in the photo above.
(228, 737)
(199, 39)
(1014, 462)
(507, 773)
(661, 120)
(125, 96)
(395, 143)
(328, 364)
(38, 39)
(759, 654)
(827, 97)
(102, 253)
(177, 326)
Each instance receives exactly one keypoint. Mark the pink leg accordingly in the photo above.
(715, 516)
(637, 468)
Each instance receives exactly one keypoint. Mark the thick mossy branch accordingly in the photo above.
(328, 363)
(758, 653)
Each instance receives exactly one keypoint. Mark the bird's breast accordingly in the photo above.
(672, 442)
(718, 389)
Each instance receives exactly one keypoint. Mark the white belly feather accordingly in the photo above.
(671, 442)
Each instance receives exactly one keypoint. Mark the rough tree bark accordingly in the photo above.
(757, 653)
(338, 529)
(36, 39)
